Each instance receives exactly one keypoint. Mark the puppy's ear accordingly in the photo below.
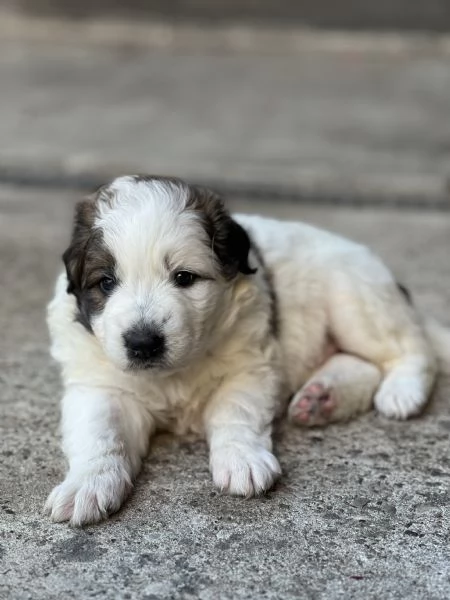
(74, 256)
(229, 240)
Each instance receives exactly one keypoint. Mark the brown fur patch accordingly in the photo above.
(87, 261)
(228, 239)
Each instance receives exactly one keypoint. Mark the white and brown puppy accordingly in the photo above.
(173, 315)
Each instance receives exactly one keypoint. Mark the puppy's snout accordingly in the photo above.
(144, 343)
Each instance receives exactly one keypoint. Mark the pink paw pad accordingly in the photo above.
(313, 405)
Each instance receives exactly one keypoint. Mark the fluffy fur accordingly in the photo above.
(268, 311)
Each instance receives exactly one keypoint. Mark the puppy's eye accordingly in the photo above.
(107, 284)
(185, 278)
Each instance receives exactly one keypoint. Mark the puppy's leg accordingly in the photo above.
(341, 389)
(105, 436)
(371, 318)
(239, 425)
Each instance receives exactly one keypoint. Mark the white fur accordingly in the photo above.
(228, 373)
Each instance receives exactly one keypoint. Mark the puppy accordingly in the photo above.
(173, 315)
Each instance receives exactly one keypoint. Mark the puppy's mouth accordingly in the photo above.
(162, 366)
(146, 364)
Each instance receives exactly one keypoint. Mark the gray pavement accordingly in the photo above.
(362, 510)
(332, 120)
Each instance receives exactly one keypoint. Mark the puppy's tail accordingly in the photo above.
(439, 337)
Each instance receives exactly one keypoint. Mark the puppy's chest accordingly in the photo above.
(178, 404)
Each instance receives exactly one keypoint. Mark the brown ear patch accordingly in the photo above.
(228, 239)
(82, 235)
(87, 261)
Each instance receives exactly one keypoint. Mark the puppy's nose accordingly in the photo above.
(144, 343)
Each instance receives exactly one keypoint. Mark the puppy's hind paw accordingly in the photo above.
(313, 405)
(400, 397)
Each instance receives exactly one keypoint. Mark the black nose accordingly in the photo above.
(144, 343)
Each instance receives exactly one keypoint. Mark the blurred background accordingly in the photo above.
(321, 100)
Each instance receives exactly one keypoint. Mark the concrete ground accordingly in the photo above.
(362, 510)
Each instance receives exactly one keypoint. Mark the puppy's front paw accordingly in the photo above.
(90, 496)
(244, 470)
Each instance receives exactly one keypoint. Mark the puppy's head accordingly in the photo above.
(150, 262)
